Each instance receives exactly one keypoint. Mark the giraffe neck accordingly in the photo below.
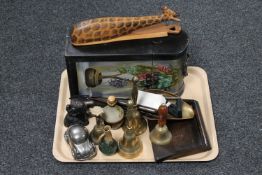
(148, 20)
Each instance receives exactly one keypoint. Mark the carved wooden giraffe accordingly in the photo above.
(102, 29)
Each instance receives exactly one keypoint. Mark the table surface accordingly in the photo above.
(225, 40)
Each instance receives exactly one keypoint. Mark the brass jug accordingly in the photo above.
(130, 146)
(160, 135)
(98, 131)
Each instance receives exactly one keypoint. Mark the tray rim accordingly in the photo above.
(213, 153)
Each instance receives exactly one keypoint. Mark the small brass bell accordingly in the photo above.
(130, 146)
(160, 135)
(138, 123)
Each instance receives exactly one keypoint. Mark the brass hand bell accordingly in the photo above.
(133, 116)
(160, 135)
(130, 145)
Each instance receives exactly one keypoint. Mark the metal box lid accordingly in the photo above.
(170, 47)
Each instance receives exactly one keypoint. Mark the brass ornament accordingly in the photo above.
(130, 145)
(160, 135)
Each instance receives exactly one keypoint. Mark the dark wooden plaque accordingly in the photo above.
(188, 136)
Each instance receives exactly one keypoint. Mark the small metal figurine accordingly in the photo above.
(130, 145)
(78, 140)
(160, 135)
(98, 131)
(113, 114)
(108, 144)
(76, 113)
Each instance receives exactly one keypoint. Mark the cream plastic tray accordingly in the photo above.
(196, 87)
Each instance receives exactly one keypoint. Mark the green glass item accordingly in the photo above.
(108, 144)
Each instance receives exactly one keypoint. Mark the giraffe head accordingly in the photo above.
(168, 14)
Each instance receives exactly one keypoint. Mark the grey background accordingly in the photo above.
(225, 40)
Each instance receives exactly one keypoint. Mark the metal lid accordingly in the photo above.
(111, 100)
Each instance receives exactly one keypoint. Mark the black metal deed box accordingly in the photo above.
(108, 69)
